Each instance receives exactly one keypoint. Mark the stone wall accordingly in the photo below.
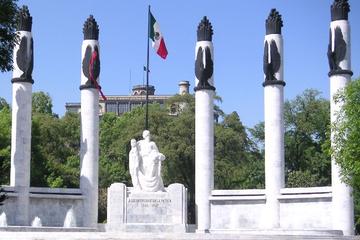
(300, 209)
(49, 204)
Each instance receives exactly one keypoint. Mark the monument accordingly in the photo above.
(147, 206)
(89, 145)
(21, 115)
(273, 117)
(204, 123)
(339, 56)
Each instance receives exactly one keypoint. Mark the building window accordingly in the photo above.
(112, 107)
(135, 104)
(123, 108)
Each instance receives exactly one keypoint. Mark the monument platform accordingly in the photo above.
(160, 236)
(134, 211)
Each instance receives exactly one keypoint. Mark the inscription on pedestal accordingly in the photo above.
(149, 210)
(134, 203)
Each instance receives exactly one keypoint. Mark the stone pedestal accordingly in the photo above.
(131, 211)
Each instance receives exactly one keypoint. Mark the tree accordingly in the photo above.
(177, 138)
(257, 135)
(42, 103)
(55, 160)
(3, 103)
(346, 147)
(5, 143)
(238, 162)
(307, 120)
(8, 22)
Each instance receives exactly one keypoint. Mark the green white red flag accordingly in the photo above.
(157, 38)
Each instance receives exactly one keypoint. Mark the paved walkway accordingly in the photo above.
(156, 236)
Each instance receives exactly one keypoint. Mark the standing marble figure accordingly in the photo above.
(145, 165)
(134, 158)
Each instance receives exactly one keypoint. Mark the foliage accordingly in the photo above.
(306, 138)
(307, 162)
(5, 143)
(238, 163)
(42, 103)
(102, 205)
(346, 147)
(55, 158)
(301, 179)
(3, 103)
(257, 135)
(177, 138)
(8, 36)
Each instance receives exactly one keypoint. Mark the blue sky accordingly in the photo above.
(238, 44)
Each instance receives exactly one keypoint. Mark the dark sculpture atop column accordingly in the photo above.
(272, 67)
(338, 47)
(339, 53)
(204, 65)
(91, 56)
(24, 19)
(91, 67)
(272, 52)
(340, 10)
(273, 23)
(91, 29)
(23, 52)
(205, 31)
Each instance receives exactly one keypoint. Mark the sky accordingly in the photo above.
(239, 29)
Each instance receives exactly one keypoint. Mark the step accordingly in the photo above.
(159, 236)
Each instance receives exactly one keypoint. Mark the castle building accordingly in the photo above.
(120, 104)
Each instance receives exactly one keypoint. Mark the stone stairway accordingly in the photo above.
(159, 236)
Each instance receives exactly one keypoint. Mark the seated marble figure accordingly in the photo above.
(145, 165)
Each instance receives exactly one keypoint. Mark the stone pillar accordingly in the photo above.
(204, 124)
(89, 148)
(274, 118)
(339, 56)
(21, 116)
(116, 207)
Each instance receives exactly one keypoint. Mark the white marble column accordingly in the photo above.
(204, 124)
(274, 118)
(89, 148)
(339, 54)
(21, 116)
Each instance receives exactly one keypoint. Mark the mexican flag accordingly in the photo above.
(157, 38)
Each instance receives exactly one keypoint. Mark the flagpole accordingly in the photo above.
(147, 76)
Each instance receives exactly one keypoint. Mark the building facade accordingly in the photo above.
(120, 104)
